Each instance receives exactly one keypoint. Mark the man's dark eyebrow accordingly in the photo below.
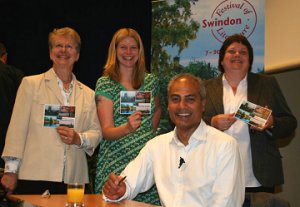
(190, 95)
(172, 95)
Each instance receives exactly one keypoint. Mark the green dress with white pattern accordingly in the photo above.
(114, 155)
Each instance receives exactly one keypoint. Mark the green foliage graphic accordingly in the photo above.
(172, 26)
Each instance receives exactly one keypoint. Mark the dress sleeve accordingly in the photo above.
(104, 87)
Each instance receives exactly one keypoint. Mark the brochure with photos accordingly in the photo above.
(253, 114)
(131, 101)
(58, 115)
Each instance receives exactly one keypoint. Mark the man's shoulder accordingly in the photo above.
(162, 138)
(12, 70)
(217, 135)
(220, 141)
(15, 69)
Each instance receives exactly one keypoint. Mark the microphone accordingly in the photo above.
(181, 162)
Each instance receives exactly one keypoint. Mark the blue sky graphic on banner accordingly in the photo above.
(219, 19)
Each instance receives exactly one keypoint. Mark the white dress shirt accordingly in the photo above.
(240, 130)
(211, 175)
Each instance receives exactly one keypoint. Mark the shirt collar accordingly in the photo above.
(243, 82)
(198, 135)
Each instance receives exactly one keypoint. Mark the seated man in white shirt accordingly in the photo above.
(193, 165)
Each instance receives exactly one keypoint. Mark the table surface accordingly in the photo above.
(90, 200)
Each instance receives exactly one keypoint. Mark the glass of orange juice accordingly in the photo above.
(75, 194)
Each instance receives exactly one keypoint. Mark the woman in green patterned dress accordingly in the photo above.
(124, 133)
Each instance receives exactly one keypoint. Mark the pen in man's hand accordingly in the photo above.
(122, 180)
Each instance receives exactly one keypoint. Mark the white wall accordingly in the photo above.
(289, 82)
(282, 52)
(282, 42)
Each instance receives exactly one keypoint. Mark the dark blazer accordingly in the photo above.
(265, 91)
(10, 79)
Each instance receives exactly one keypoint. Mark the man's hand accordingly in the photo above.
(114, 188)
(9, 182)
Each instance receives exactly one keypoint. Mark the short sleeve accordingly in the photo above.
(104, 87)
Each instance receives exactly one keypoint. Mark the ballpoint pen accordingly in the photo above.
(122, 179)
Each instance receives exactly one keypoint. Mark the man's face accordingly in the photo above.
(185, 105)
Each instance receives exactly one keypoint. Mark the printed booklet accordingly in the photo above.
(131, 101)
(253, 114)
(58, 115)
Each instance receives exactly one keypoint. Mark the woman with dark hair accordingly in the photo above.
(125, 134)
(261, 157)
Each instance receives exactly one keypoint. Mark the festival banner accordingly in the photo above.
(219, 19)
(187, 36)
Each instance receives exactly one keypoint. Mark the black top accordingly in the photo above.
(10, 79)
